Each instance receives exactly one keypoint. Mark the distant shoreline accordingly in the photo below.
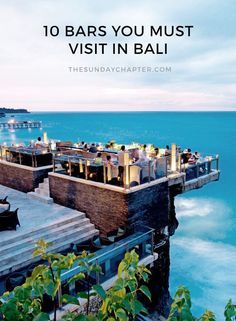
(14, 110)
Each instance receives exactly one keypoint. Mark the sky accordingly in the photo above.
(35, 72)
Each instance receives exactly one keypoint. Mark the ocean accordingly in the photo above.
(203, 249)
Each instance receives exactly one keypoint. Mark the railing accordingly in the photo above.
(131, 175)
(201, 169)
(127, 177)
(110, 256)
(26, 156)
(83, 165)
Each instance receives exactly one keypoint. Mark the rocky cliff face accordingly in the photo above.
(159, 282)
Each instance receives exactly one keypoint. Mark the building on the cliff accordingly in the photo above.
(141, 203)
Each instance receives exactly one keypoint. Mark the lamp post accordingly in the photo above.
(45, 138)
(173, 157)
(126, 170)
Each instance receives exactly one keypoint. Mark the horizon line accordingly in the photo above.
(130, 111)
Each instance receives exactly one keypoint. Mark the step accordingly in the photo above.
(42, 235)
(42, 192)
(42, 188)
(41, 198)
(9, 268)
(44, 185)
(72, 217)
(28, 249)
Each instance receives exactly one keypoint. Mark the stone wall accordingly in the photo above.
(109, 207)
(149, 206)
(20, 177)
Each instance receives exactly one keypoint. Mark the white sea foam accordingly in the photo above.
(210, 266)
(203, 218)
(199, 257)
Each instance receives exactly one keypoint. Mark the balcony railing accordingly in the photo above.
(110, 256)
(26, 156)
(82, 164)
(132, 175)
(201, 169)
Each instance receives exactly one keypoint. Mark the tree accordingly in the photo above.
(120, 303)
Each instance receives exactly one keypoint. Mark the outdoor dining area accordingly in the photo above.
(128, 165)
(116, 164)
(122, 165)
(28, 156)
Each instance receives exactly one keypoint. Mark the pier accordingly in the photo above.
(20, 124)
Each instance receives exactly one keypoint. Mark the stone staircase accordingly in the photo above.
(16, 252)
(42, 192)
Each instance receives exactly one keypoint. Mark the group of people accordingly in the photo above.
(94, 148)
(117, 166)
(115, 161)
(190, 158)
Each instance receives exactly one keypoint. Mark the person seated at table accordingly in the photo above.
(167, 150)
(197, 155)
(142, 151)
(93, 148)
(156, 150)
(108, 160)
(110, 145)
(98, 159)
(113, 174)
(192, 160)
(85, 148)
(39, 143)
(186, 155)
(142, 161)
(81, 144)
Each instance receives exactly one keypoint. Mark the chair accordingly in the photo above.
(98, 243)
(146, 173)
(13, 280)
(111, 172)
(134, 174)
(9, 220)
(161, 167)
(79, 248)
(117, 234)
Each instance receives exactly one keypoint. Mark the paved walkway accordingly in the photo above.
(32, 213)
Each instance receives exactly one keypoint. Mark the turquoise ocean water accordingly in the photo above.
(203, 250)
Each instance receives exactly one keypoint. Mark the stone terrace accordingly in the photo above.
(51, 222)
